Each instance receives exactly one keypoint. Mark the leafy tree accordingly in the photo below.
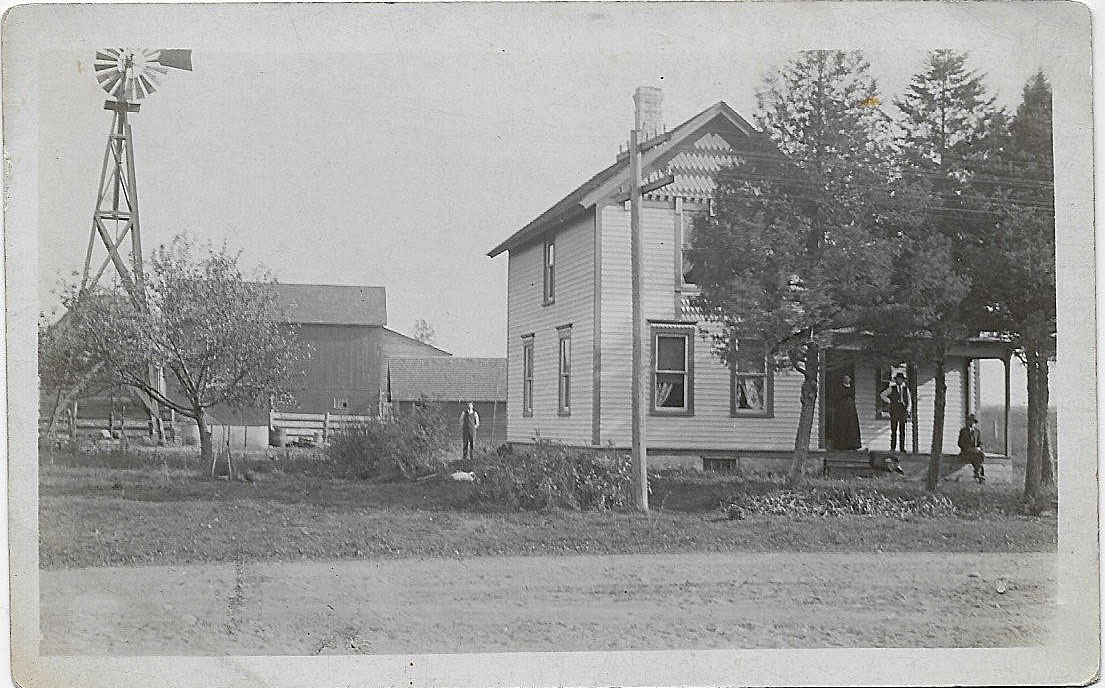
(947, 120)
(424, 331)
(219, 338)
(1014, 262)
(795, 242)
(67, 371)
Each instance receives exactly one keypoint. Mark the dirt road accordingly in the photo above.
(489, 604)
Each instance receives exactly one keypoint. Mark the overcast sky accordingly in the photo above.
(395, 145)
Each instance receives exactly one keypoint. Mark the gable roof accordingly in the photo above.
(607, 181)
(447, 378)
(331, 304)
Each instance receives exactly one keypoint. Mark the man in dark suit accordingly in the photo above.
(970, 447)
(898, 398)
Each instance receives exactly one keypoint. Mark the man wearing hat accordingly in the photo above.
(970, 447)
(897, 397)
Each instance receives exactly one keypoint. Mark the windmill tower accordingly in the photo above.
(127, 75)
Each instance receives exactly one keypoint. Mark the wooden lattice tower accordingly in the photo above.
(128, 76)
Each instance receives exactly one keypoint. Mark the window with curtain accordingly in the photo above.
(564, 405)
(750, 388)
(672, 372)
(527, 376)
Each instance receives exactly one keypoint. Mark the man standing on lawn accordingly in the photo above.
(469, 424)
(897, 397)
(970, 447)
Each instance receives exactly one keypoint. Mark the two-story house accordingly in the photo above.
(569, 323)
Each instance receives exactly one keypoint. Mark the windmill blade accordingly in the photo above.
(175, 58)
(149, 83)
(110, 82)
(133, 74)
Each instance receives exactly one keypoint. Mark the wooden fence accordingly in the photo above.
(312, 425)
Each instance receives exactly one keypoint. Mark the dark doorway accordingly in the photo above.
(841, 419)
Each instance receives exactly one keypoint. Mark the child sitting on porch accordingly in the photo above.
(970, 447)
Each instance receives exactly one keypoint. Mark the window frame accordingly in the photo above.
(564, 372)
(548, 270)
(340, 407)
(768, 376)
(687, 332)
(527, 375)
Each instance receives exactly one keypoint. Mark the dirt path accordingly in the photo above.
(622, 602)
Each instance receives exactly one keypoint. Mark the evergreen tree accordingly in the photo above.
(794, 244)
(945, 126)
(1014, 262)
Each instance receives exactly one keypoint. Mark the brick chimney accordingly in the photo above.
(649, 107)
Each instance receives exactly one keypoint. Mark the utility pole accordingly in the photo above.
(637, 422)
(646, 102)
(644, 98)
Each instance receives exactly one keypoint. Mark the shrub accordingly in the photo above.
(839, 501)
(551, 476)
(407, 446)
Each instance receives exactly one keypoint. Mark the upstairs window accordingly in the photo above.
(564, 402)
(550, 270)
(527, 375)
(750, 388)
(687, 266)
(673, 371)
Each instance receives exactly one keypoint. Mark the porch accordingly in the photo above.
(839, 464)
(776, 464)
(964, 396)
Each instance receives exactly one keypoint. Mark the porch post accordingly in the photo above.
(1005, 427)
(822, 377)
(913, 419)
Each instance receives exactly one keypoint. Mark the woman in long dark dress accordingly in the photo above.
(845, 431)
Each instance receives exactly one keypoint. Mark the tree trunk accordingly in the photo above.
(1036, 366)
(805, 419)
(66, 397)
(939, 403)
(207, 452)
(1043, 392)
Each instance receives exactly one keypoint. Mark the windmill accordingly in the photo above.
(128, 76)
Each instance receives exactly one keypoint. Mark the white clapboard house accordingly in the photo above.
(569, 325)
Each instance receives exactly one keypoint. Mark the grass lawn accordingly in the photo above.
(96, 510)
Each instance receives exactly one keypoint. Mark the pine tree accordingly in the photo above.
(1014, 262)
(946, 123)
(794, 243)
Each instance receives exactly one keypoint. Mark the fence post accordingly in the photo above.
(326, 427)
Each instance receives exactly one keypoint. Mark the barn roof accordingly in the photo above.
(332, 304)
(653, 149)
(447, 378)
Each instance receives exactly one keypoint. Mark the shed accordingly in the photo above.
(451, 382)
